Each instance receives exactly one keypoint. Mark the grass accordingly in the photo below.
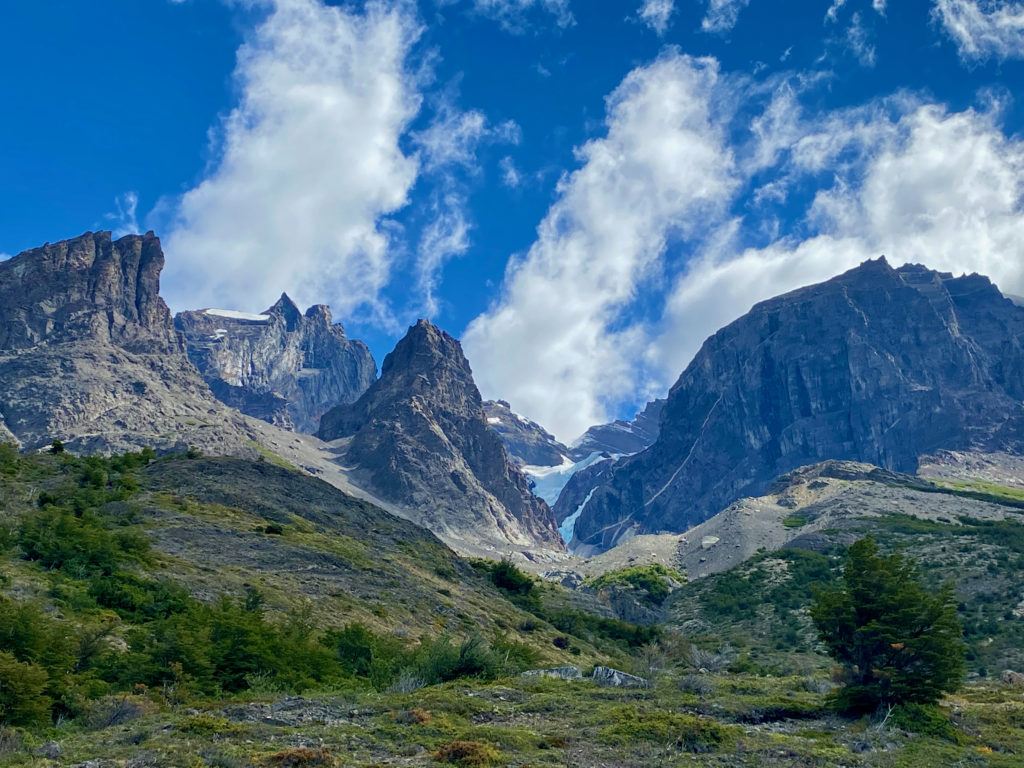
(519, 722)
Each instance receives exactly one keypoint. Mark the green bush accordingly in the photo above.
(654, 579)
(924, 719)
(23, 699)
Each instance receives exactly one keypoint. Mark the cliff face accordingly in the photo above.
(282, 366)
(526, 442)
(621, 437)
(419, 438)
(877, 365)
(87, 289)
(88, 354)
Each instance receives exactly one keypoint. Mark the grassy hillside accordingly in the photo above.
(758, 609)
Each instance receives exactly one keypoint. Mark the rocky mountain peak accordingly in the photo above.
(879, 365)
(88, 353)
(281, 366)
(88, 288)
(420, 439)
(288, 310)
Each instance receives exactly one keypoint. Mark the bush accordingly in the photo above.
(924, 719)
(23, 700)
(467, 753)
(655, 580)
(898, 642)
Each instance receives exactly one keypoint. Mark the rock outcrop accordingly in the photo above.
(527, 443)
(88, 353)
(621, 437)
(418, 438)
(877, 365)
(281, 366)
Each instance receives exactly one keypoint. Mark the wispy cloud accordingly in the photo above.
(983, 29)
(722, 15)
(123, 219)
(512, 14)
(657, 14)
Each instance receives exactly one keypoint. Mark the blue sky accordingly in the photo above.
(581, 190)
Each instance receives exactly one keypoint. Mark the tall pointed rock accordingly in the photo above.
(419, 438)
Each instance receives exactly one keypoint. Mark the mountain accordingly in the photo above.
(526, 442)
(621, 437)
(88, 354)
(282, 366)
(418, 437)
(878, 365)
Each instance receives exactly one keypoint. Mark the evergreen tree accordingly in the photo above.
(897, 642)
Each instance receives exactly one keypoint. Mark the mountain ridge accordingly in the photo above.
(899, 363)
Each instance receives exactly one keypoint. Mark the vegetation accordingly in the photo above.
(897, 642)
(655, 581)
(522, 590)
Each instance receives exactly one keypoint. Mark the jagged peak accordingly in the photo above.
(321, 315)
(287, 309)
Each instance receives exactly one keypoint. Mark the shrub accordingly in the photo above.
(898, 642)
(467, 753)
(303, 757)
(655, 580)
(116, 710)
(924, 719)
(23, 700)
(685, 732)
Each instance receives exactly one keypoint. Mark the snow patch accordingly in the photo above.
(548, 482)
(493, 420)
(234, 315)
(568, 527)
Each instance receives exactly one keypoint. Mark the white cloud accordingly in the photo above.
(858, 41)
(124, 220)
(722, 15)
(512, 13)
(879, 5)
(657, 13)
(309, 164)
(555, 343)
(932, 187)
(983, 29)
(832, 14)
(445, 237)
(510, 175)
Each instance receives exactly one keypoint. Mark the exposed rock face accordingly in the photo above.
(877, 365)
(88, 353)
(526, 442)
(419, 438)
(621, 437)
(281, 366)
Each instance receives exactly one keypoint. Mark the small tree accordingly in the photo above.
(897, 642)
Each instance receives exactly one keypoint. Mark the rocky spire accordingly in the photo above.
(420, 438)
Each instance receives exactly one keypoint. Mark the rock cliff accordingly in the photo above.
(282, 366)
(88, 353)
(526, 442)
(621, 437)
(876, 365)
(418, 437)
